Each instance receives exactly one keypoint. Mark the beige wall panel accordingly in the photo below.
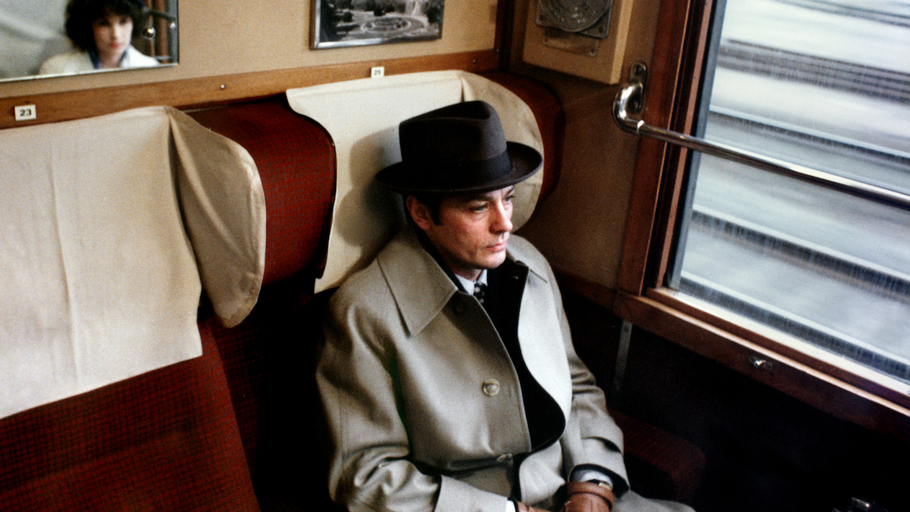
(240, 36)
(580, 227)
(606, 66)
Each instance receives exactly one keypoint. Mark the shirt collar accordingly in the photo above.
(419, 285)
(467, 284)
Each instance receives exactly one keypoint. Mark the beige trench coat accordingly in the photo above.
(423, 403)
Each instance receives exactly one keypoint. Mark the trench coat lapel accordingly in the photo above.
(540, 333)
(421, 289)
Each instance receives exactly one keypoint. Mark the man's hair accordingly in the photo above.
(81, 14)
(433, 203)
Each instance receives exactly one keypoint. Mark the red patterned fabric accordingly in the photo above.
(269, 358)
(296, 161)
(232, 430)
(660, 464)
(166, 440)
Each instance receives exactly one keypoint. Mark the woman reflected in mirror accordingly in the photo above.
(101, 32)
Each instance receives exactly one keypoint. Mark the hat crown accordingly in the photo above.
(461, 133)
(455, 149)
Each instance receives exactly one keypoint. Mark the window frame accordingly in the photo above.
(844, 389)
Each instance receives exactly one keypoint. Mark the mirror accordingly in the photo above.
(32, 32)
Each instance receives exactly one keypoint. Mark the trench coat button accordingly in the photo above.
(459, 307)
(490, 387)
(504, 457)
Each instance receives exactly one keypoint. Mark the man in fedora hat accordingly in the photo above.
(448, 376)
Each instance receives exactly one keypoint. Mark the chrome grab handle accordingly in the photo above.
(633, 92)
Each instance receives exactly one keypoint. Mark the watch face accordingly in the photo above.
(571, 15)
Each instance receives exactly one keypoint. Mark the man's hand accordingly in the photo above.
(588, 497)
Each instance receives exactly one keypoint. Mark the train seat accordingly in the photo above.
(270, 357)
(233, 429)
(164, 438)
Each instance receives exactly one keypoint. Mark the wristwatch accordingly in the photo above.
(601, 483)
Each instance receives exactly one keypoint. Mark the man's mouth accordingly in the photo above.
(501, 246)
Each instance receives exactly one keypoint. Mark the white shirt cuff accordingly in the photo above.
(588, 474)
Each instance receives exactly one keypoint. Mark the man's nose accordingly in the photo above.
(502, 220)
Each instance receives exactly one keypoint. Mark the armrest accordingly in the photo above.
(660, 465)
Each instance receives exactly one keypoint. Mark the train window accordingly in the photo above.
(823, 84)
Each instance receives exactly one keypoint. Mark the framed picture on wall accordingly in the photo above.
(340, 23)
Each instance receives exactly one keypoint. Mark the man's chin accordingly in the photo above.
(496, 260)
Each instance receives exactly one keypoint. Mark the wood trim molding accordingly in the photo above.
(664, 73)
(669, 102)
(683, 120)
(786, 371)
(197, 92)
(596, 293)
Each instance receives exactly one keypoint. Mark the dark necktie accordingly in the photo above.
(480, 290)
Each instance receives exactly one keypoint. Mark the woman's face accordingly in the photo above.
(112, 37)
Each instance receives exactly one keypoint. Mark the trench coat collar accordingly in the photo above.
(420, 287)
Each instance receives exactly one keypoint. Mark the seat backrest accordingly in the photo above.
(267, 358)
(188, 436)
(232, 429)
(270, 357)
(550, 120)
(164, 440)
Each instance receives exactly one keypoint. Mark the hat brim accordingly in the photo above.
(407, 180)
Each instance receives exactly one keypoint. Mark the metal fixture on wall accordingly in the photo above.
(577, 26)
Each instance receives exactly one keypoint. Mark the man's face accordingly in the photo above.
(472, 232)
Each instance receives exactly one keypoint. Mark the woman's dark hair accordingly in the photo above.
(80, 14)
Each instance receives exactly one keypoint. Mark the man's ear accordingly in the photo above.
(420, 213)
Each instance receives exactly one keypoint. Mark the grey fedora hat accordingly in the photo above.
(460, 148)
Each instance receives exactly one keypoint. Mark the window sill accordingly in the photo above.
(821, 379)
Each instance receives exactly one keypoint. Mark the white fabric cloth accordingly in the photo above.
(362, 116)
(98, 276)
(78, 61)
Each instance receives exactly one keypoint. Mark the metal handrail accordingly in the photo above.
(633, 91)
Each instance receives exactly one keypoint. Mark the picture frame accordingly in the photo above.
(343, 23)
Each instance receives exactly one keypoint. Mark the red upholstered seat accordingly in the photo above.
(550, 120)
(165, 440)
(233, 430)
(269, 357)
(296, 161)
(188, 436)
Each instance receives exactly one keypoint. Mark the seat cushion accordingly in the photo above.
(165, 440)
